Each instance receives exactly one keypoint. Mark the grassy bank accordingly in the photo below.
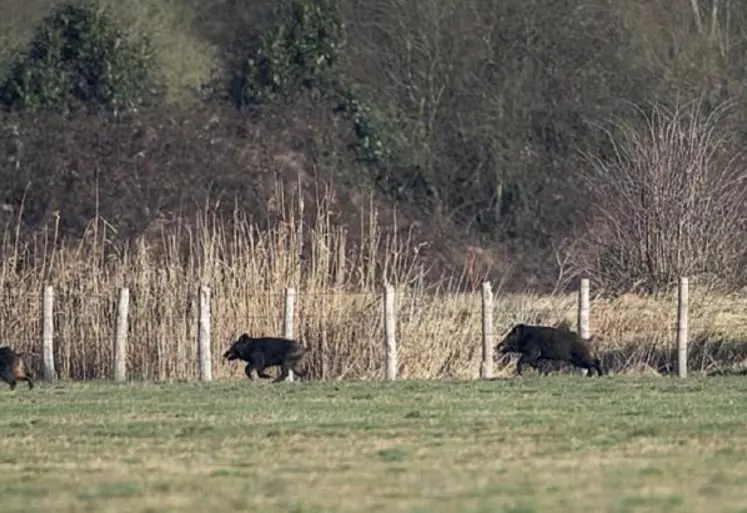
(558, 444)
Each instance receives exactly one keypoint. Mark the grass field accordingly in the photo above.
(558, 443)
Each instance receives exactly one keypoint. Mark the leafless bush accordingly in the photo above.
(668, 199)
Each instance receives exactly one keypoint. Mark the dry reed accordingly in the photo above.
(339, 304)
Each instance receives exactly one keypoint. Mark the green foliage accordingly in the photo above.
(375, 142)
(300, 51)
(79, 58)
(370, 147)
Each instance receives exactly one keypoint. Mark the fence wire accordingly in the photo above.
(438, 335)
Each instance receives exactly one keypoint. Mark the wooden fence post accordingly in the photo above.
(682, 301)
(583, 309)
(48, 334)
(120, 336)
(203, 335)
(389, 333)
(288, 313)
(300, 222)
(486, 369)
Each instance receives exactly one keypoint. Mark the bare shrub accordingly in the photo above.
(668, 199)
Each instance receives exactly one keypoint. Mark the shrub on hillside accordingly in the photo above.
(300, 51)
(79, 58)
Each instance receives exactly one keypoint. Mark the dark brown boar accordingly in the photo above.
(13, 368)
(263, 352)
(538, 343)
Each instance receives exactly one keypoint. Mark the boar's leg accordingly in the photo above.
(531, 358)
(258, 361)
(546, 369)
(284, 371)
(588, 363)
(597, 365)
(248, 370)
(28, 380)
(8, 376)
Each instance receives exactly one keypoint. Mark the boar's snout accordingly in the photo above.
(231, 354)
(498, 351)
(500, 354)
(510, 343)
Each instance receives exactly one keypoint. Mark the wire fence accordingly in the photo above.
(133, 334)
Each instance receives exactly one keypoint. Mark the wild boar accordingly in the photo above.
(263, 352)
(13, 368)
(537, 343)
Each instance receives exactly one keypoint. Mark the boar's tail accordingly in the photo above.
(301, 369)
(301, 366)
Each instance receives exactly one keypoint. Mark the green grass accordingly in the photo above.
(558, 443)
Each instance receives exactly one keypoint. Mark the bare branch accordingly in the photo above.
(669, 201)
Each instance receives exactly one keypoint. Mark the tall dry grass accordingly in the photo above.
(339, 306)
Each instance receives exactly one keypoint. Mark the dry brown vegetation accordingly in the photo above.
(339, 307)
